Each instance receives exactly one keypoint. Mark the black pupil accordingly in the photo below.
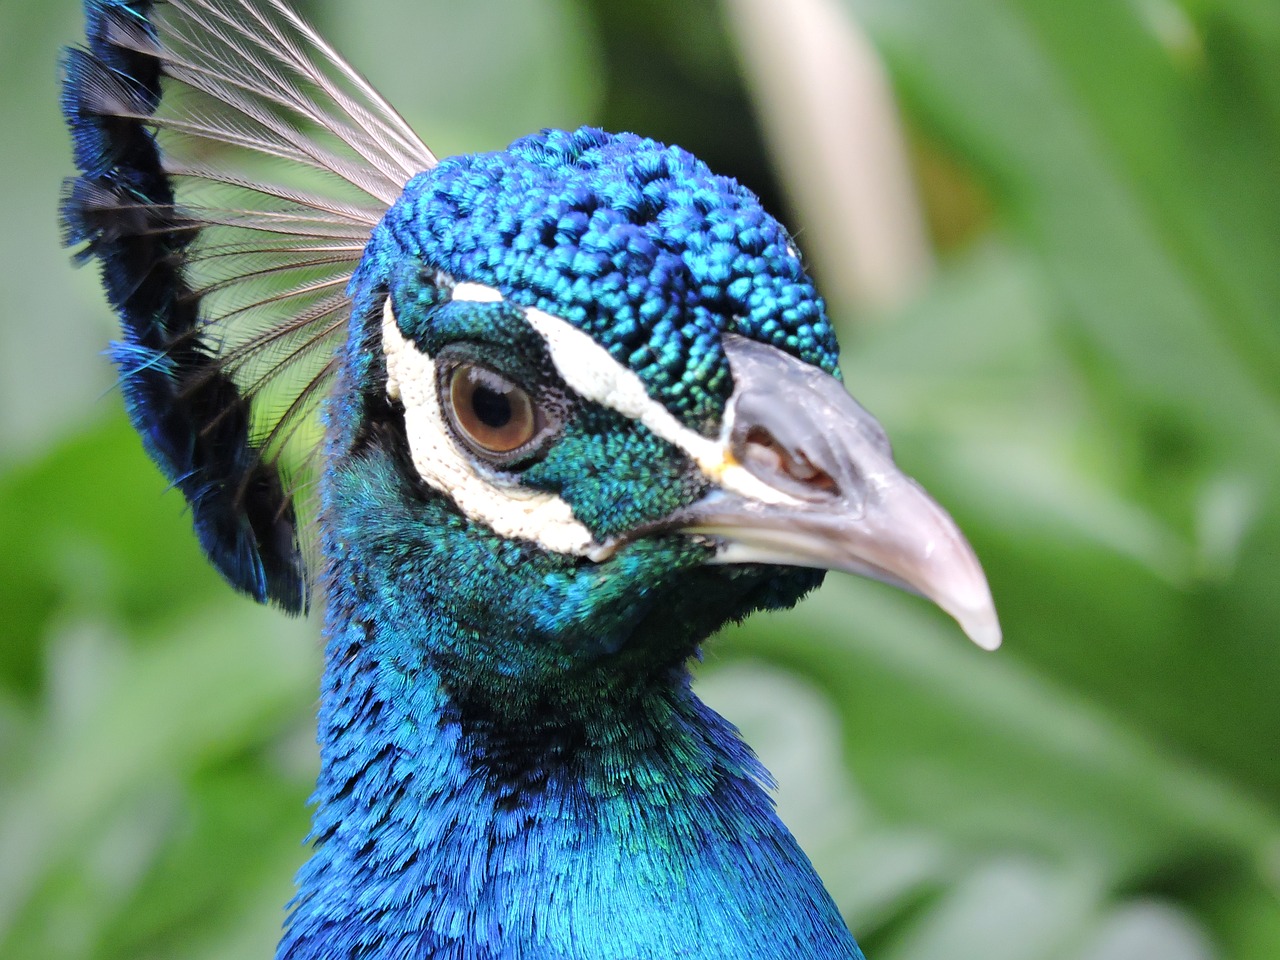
(491, 407)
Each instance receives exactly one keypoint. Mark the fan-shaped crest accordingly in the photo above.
(232, 166)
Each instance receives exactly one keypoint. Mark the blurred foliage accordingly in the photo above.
(1090, 379)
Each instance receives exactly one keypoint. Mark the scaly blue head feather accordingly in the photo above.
(637, 243)
(582, 409)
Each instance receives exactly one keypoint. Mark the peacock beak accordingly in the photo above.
(834, 498)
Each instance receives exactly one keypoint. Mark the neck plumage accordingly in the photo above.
(458, 819)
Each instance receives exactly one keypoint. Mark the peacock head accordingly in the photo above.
(609, 391)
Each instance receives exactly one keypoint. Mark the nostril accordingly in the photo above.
(762, 454)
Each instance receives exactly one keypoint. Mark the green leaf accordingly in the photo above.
(476, 75)
(1089, 147)
(225, 683)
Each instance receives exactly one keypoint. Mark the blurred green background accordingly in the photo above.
(1050, 234)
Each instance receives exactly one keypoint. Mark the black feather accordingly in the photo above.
(191, 416)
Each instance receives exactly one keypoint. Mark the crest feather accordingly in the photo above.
(231, 169)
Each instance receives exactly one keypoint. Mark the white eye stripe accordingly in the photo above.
(510, 510)
(589, 370)
(475, 293)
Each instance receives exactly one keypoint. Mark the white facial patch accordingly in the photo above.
(590, 372)
(475, 293)
(510, 510)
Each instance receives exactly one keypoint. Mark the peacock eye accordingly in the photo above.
(492, 414)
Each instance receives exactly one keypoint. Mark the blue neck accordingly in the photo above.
(422, 852)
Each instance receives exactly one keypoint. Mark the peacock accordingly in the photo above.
(529, 426)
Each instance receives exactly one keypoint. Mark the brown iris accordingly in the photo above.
(489, 411)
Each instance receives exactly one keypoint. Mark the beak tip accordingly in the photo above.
(957, 584)
(978, 619)
(985, 633)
